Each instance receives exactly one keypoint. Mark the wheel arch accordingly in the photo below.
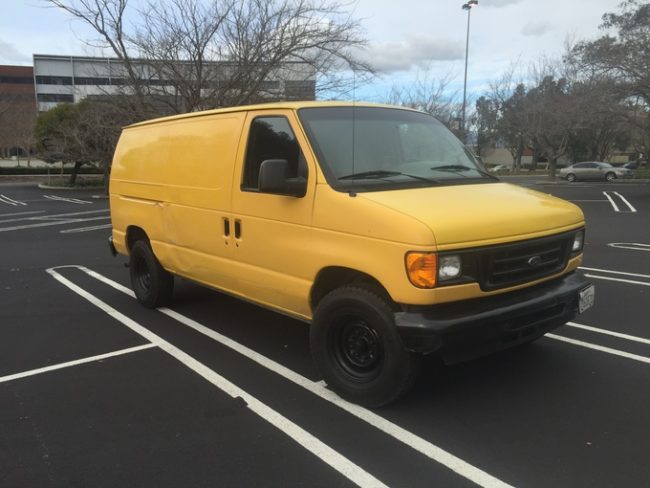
(333, 277)
(134, 234)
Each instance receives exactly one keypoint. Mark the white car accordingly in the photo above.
(500, 168)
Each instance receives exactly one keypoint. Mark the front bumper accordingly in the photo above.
(465, 330)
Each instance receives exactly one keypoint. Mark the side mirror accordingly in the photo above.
(274, 178)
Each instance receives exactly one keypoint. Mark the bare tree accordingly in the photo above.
(107, 19)
(624, 52)
(507, 98)
(638, 119)
(17, 117)
(429, 94)
(189, 54)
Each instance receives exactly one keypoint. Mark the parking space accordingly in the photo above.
(95, 390)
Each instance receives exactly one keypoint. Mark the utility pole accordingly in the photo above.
(467, 6)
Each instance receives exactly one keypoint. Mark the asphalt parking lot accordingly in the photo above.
(97, 391)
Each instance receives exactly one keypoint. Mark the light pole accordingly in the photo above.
(467, 6)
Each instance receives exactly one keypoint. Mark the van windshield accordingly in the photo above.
(373, 148)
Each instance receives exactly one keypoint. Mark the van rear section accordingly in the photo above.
(372, 223)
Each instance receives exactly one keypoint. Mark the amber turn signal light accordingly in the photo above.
(422, 269)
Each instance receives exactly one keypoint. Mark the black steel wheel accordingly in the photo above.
(153, 286)
(358, 350)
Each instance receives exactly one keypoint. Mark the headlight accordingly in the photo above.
(421, 269)
(578, 241)
(449, 267)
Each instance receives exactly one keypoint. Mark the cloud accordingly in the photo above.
(9, 53)
(497, 3)
(536, 29)
(415, 51)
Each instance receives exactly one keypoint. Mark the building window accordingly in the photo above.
(82, 80)
(17, 80)
(54, 80)
(300, 90)
(269, 85)
(55, 97)
(18, 97)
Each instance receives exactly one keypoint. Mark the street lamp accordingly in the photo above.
(467, 6)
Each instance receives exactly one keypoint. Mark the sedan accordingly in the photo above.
(594, 170)
(500, 168)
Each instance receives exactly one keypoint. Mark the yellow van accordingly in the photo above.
(373, 223)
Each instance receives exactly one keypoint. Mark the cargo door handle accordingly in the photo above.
(237, 229)
(226, 227)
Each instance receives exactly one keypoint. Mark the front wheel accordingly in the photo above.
(153, 286)
(357, 348)
(571, 177)
(610, 176)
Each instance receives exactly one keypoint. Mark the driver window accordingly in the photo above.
(271, 138)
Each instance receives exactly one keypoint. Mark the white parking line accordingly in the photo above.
(411, 440)
(343, 465)
(2, 200)
(47, 224)
(11, 201)
(634, 246)
(615, 272)
(45, 217)
(620, 280)
(596, 347)
(69, 200)
(622, 198)
(22, 213)
(610, 333)
(46, 369)
(632, 209)
(85, 229)
(616, 209)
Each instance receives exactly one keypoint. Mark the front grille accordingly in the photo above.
(513, 264)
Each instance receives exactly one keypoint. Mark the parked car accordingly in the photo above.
(500, 168)
(635, 164)
(594, 170)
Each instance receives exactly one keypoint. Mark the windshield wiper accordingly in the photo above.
(459, 167)
(380, 173)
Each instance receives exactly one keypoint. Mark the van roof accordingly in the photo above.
(264, 106)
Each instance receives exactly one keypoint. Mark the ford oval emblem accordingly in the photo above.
(534, 261)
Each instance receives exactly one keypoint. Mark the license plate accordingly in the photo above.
(586, 298)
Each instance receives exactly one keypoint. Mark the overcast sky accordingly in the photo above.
(404, 35)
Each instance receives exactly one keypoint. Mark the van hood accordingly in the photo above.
(482, 214)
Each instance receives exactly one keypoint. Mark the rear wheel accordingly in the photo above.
(358, 350)
(610, 176)
(153, 286)
(571, 177)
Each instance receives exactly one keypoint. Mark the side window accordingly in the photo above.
(271, 138)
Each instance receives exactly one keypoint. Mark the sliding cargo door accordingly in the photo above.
(203, 151)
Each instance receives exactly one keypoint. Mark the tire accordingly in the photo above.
(610, 176)
(571, 177)
(358, 350)
(153, 286)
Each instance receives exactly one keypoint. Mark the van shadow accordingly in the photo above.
(274, 335)
(517, 375)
